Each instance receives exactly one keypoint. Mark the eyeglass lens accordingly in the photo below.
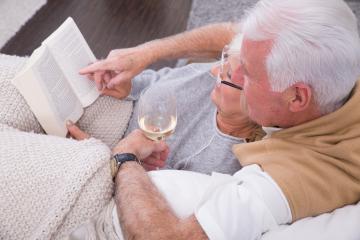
(224, 69)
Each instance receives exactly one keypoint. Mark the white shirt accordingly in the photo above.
(242, 206)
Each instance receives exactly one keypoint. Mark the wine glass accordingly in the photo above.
(157, 113)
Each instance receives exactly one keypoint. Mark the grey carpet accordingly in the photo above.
(209, 11)
(14, 14)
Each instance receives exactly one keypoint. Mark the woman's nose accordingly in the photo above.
(215, 69)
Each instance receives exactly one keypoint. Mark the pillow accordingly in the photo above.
(106, 119)
(343, 223)
(49, 185)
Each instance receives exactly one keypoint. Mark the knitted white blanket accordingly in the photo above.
(49, 185)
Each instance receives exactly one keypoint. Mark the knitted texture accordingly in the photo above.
(4, 127)
(99, 227)
(106, 119)
(50, 185)
(13, 109)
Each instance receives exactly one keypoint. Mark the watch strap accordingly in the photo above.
(119, 158)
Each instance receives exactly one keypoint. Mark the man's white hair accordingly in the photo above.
(315, 42)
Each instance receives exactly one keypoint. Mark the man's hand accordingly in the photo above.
(113, 75)
(152, 154)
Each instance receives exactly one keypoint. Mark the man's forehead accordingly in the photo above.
(262, 47)
(254, 50)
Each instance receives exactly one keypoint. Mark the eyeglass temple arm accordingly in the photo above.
(231, 85)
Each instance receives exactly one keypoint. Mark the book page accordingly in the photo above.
(72, 53)
(48, 94)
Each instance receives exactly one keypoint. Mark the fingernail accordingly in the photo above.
(69, 123)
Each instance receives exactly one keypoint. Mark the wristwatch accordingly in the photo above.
(120, 158)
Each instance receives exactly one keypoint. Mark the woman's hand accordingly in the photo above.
(113, 75)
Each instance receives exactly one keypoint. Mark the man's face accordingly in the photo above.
(264, 106)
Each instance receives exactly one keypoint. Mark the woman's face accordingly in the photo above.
(227, 99)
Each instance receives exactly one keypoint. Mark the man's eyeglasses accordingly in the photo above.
(224, 74)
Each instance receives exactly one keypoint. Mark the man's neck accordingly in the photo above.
(302, 117)
(237, 126)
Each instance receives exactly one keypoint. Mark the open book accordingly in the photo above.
(50, 82)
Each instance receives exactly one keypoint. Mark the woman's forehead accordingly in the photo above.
(234, 58)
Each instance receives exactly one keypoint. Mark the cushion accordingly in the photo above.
(49, 185)
(106, 119)
(343, 223)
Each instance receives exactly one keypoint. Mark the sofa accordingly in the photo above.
(52, 210)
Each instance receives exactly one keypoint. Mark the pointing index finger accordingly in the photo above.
(101, 65)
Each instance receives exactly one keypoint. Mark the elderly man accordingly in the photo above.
(298, 67)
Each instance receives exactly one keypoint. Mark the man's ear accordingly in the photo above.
(299, 97)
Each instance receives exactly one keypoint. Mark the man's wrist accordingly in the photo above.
(120, 158)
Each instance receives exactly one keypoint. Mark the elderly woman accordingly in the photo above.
(210, 120)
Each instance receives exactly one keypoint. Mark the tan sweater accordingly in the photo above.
(316, 164)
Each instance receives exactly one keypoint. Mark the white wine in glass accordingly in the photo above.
(157, 113)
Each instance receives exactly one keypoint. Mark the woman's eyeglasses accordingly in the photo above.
(224, 74)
